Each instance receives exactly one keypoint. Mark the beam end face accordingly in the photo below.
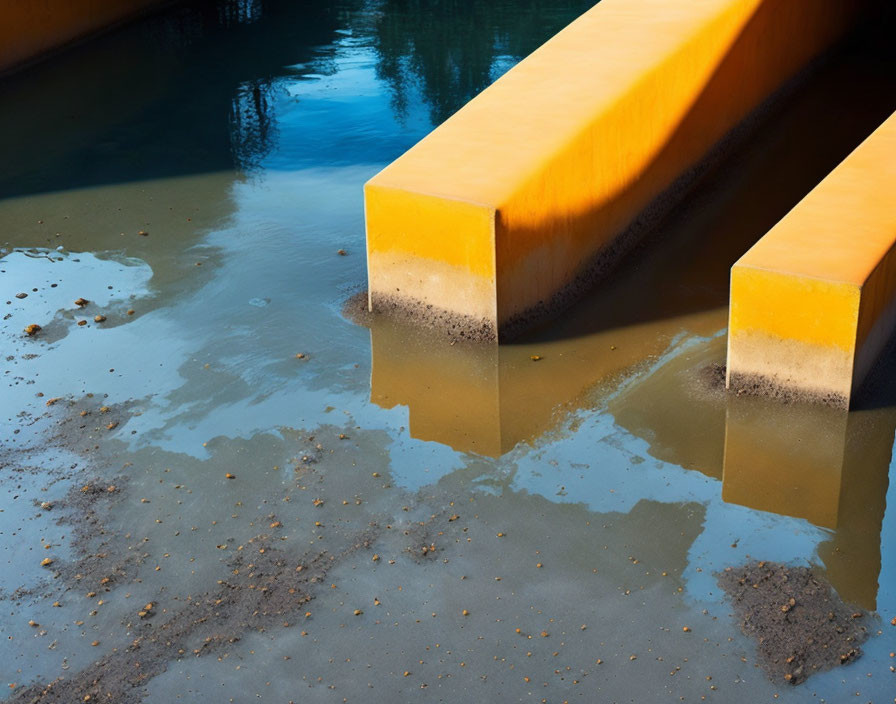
(431, 260)
(791, 336)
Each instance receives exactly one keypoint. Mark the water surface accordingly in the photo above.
(589, 496)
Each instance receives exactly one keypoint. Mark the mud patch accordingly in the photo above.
(356, 309)
(454, 326)
(712, 377)
(102, 561)
(759, 385)
(266, 588)
(799, 622)
(266, 584)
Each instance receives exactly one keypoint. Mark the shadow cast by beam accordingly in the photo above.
(776, 156)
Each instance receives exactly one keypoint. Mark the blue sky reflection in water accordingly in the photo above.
(238, 135)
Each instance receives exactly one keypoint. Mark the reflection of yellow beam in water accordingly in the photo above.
(790, 464)
(812, 462)
(452, 395)
(679, 409)
(486, 399)
(820, 464)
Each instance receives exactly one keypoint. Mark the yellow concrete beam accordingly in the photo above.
(31, 28)
(540, 183)
(812, 303)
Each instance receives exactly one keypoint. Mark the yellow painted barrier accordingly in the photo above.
(32, 28)
(812, 303)
(539, 184)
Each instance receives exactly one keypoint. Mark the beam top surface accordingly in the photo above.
(842, 229)
(487, 150)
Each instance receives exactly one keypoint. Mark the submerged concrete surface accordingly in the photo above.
(542, 181)
(812, 301)
(28, 30)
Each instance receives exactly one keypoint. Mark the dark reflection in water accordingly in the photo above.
(237, 12)
(198, 88)
(187, 92)
(454, 48)
(253, 127)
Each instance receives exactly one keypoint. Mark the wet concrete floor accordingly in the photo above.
(218, 485)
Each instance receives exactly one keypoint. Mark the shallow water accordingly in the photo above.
(589, 496)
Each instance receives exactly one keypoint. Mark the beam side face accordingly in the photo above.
(431, 259)
(877, 312)
(633, 156)
(874, 166)
(822, 281)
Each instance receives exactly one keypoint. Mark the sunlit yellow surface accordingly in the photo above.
(571, 145)
(812, 301)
